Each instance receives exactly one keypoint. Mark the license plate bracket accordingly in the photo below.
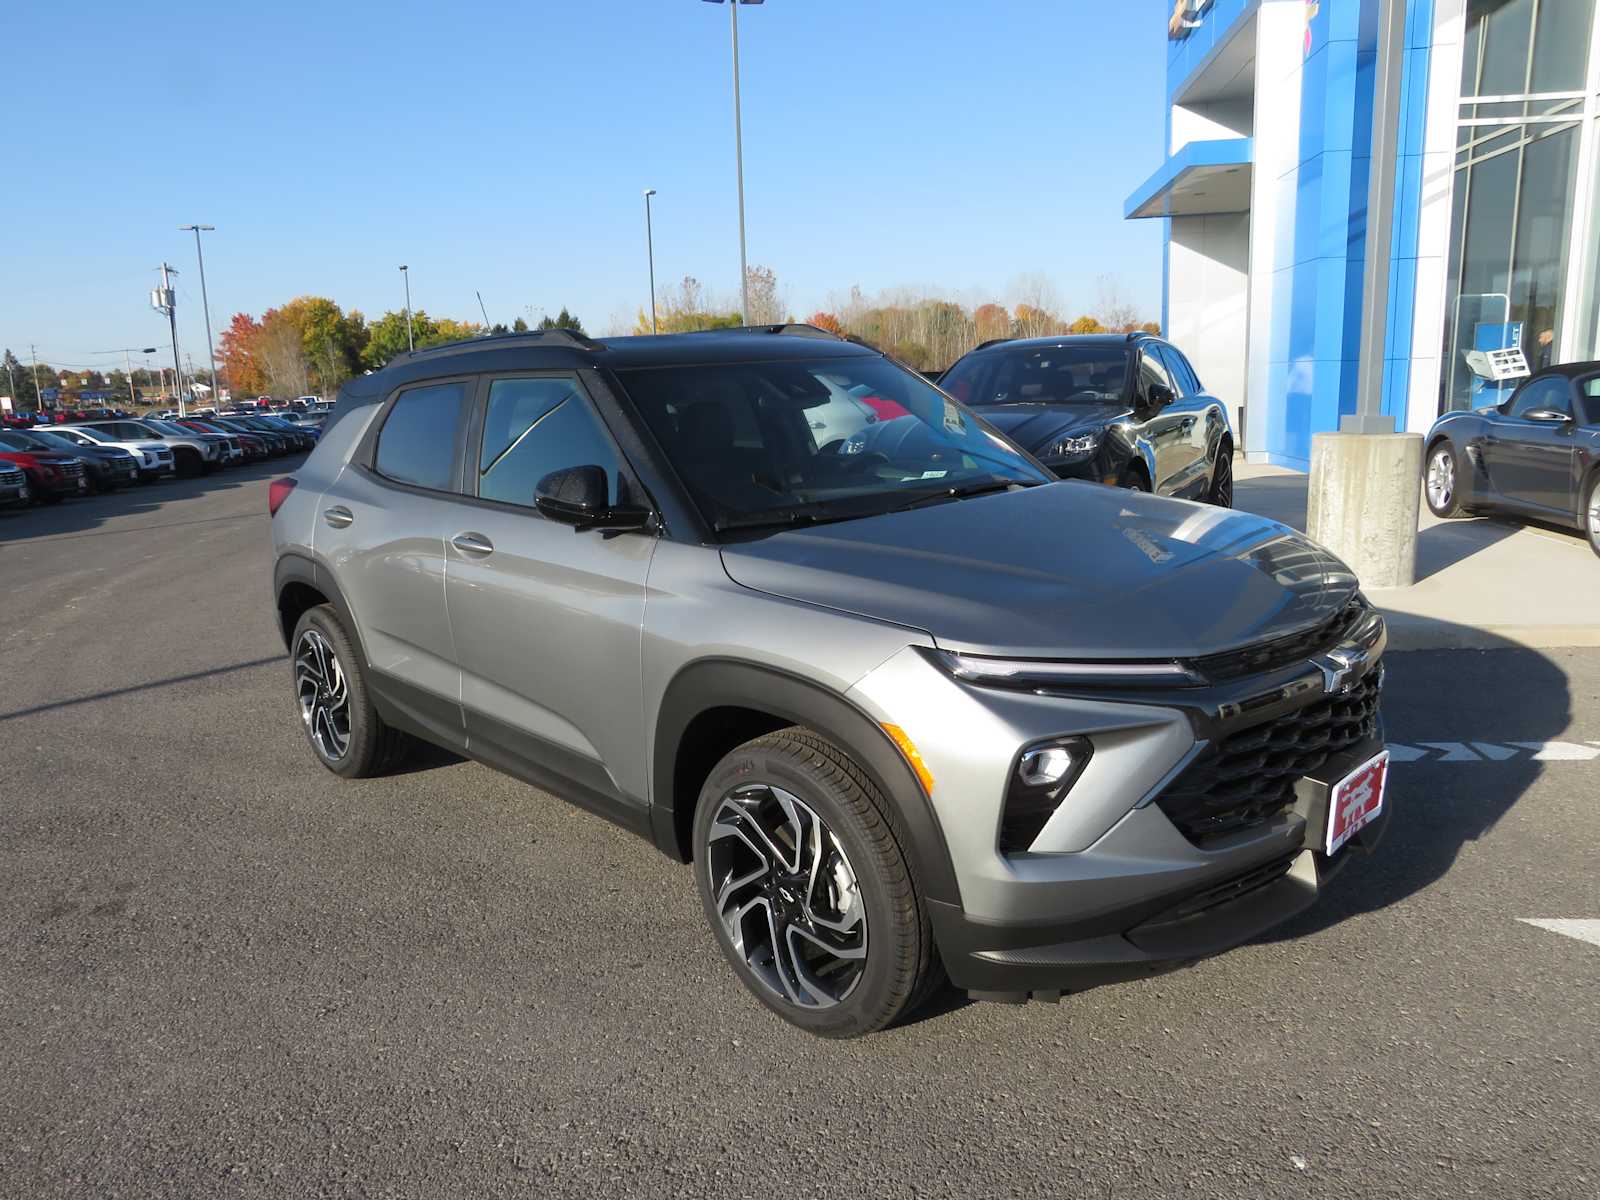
(1355, 801)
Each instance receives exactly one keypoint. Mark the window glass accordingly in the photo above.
(1151, 373)
(533, 427)
(924, 448)
(1505, 26)
(418, 442)
(1560, 46)
(1180, 370)
(1066, 374)
(1553, 392)
(1590, 390)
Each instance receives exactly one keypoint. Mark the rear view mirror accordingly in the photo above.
(578, 496)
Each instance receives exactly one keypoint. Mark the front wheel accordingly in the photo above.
(1442, 481)
(806, 888)
(1221, 491)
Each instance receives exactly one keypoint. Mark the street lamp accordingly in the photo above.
(205, 303)
(405, 274)
(738, 151)
(650, 249)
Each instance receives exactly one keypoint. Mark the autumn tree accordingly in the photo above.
(1116, 312)
(1086, 324)
(826, 320)
(991, 321)
(686, 309)
(239, 355)
(1031, 321)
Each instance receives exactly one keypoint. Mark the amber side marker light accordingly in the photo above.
(913, 755)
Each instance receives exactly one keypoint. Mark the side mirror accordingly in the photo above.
(577, 496)
(1158, 397)
(1552, 416)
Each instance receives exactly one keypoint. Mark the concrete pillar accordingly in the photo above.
(1363, 503)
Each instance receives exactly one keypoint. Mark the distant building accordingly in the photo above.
(1264, 190)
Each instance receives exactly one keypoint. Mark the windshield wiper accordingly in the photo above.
(971, 489)
(783, 518)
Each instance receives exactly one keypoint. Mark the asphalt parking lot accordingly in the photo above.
(225, 972)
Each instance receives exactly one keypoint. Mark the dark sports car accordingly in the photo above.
(1123, 409)
(1537, 454)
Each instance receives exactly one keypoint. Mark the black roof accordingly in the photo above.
(560, 348)
(1064, 339)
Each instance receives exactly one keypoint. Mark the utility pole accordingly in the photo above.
(165, 300)
(650, 251)
(405, 273)
(738, 150)
(38, 400)
(205, 303)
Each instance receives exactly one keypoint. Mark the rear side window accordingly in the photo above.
(1590, 388)
(417, 444)
(533, 427)
(1151, 373)
(1182, 373)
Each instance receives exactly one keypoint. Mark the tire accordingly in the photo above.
(1133, 478)
(1220, 492)
(1589, 512)
(1441, 479)
(344, 730)
(188, 464)
(850, 887)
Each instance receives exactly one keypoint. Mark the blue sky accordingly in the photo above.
(945, 143)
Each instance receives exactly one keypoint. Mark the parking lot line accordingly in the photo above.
(1583, 929)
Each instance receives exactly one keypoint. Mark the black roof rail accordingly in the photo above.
(782, 329)
(535, 337)
(992, 342)
(1135, 334)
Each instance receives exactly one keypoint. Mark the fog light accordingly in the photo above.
(1043, 775)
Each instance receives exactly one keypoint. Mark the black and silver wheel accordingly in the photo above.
(344, 729)
(1590, 512)
(806, 888)
(1221, 491)
(1441, 480)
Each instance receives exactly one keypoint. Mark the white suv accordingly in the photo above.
(153, 459)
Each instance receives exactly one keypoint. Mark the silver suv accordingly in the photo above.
(913, 714)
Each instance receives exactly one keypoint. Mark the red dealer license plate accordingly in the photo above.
(1356, 800)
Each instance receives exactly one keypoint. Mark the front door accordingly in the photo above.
(548, 622)
(1168, 432)
(1530, 462)
(382, 529)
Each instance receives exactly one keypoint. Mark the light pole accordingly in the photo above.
(738, 153)
(405, 273)
(650, 251)
(127, 353)
(205, 302)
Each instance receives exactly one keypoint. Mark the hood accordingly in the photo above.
(1062, 570)
(1035, 426)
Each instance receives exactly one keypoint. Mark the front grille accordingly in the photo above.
(1280, 652)
(1249, 776)
(72, 470)
(1232, 889)
(11, 477)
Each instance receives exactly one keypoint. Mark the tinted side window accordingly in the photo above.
(534, 426)
(1182, 373)
(1151, 373)
(417, 444)
(1553, 392)
(1590, 388)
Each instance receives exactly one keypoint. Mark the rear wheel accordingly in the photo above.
(1221, 491)
(806, 888)
(1441, 479)
(345, 731)
(188, 463)
(1133, 478)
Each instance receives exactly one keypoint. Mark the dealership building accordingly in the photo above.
(1263, 192)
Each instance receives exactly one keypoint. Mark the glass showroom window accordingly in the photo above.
(1522, 143)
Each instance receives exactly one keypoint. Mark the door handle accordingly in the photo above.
(473, 544)
(339, 516)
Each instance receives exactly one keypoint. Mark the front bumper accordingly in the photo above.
(1169, 918)
(14, 494)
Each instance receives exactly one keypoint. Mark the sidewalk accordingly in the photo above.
(1481, 582)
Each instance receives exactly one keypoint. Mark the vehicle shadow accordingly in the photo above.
(1440, 544)
(86, 515)
(1452, 706)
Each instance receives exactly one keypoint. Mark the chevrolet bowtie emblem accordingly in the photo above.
(1340, 668)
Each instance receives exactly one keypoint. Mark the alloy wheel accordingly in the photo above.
(1594, 516)
(1222, 484)
(324, 695)
(1441, 478)
(787, 896)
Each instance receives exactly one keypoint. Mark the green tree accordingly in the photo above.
(386, 337)
(519, 326)
(562, 320)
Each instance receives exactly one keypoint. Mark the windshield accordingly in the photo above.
(52, 441)
(787, 442)
(1061, 374)
(168, 427)
(84, 437)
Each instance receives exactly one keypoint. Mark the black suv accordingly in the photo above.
(1123, 409)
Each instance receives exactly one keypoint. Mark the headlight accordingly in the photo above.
(1035, 673)
(1082, 443)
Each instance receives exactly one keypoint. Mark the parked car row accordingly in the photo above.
(44, 464)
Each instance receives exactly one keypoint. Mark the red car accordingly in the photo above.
(254, 448)
(51, 477)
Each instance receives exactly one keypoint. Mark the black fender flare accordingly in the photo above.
(298, 568)
(717, 683)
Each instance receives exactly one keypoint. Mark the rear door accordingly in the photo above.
(1202, 418)
(1167, 433)
(382, 527)
(548, 622)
